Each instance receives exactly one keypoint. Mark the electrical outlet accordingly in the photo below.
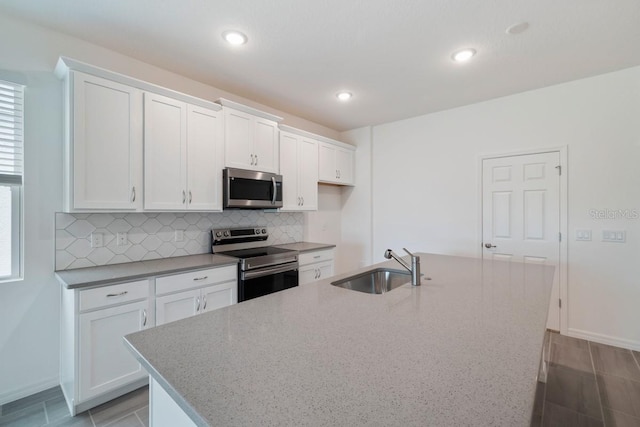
(97, 240)
(583, 235)
(121, 239)
(179, 235)
(616, 236)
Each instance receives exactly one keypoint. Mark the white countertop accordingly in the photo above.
(462, 349)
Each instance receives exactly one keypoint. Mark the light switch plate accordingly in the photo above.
(583, 235)
(615, 236)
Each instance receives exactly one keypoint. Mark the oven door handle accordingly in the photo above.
(268, 271)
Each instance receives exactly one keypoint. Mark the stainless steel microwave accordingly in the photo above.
(251, 189)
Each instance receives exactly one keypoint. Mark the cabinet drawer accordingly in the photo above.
(113, 295)
(317, 256)
(195, 279)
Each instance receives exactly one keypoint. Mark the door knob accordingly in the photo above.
(489, 245)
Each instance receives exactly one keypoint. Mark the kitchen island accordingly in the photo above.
(462, 349)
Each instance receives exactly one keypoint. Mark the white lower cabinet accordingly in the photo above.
(95, 365)
(316, 265)
(105, 363)
(184, 295)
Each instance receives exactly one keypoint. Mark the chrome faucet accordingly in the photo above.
(414, 268)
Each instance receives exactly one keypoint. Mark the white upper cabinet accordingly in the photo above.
(165, 153)
(103, 149)
(204, 159)
(299, 170)
(250, 138)
(118, 126)
(336, 163)
(182, 155)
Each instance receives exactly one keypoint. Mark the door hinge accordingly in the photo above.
(560, 303)
(559, 167)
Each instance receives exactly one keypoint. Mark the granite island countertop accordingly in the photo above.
(462, 349)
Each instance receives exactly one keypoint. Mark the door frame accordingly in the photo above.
(563, 270)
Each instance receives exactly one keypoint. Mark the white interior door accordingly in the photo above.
(521, 214)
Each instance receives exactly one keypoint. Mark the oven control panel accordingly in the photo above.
(225, 236)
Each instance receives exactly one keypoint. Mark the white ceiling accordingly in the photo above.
(394, 55)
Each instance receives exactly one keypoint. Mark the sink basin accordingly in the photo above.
(375, 281)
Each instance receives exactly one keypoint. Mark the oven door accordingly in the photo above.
(264, 281)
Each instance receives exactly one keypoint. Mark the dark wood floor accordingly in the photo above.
(588, 384)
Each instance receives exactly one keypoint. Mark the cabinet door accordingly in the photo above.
(308, 173)
(105, 363)
(218, 296)
(265, 145)
(107, 144)
(170, 308)
(327, 170)
(238, 139)
(289, 171)
(344, 164)
(204, 154)
(165, 150)
(307, 274)
(325, 270)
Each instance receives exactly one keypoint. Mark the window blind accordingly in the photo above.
(11, 132)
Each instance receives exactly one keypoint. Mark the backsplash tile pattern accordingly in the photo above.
(153, 235)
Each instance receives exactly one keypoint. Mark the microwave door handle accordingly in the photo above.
(275, 190)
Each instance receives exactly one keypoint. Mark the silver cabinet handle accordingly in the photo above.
(200, 278)
(489, 245)
(256, 159)
(118, 294)
(302, 200)
(252, 160)
(133, 194)
(204, 299)
(184, 197)
(198, 304)
(317, 256)
(336, 173)
(190, 197)
(319, 273)
(144, 317)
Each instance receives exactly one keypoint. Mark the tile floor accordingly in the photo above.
(49, 408)
(588, 384)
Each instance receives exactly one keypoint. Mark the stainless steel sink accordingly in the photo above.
(375, 281)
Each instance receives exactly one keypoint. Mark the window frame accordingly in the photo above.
(15, 183)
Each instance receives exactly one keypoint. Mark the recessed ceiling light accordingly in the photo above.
(463, 55)
(518, 28)
(344, 96)
(234, 37)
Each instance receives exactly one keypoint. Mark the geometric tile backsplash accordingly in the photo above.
(153, 235)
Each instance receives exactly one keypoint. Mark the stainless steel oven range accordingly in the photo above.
(262, 269)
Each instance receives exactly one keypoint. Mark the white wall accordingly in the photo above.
(356, 219)
(425, 186)
(29, 309)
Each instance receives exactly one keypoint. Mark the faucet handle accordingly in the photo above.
(410, 254)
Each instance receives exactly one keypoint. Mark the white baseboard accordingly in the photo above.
(19, 393)
(604, 339)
